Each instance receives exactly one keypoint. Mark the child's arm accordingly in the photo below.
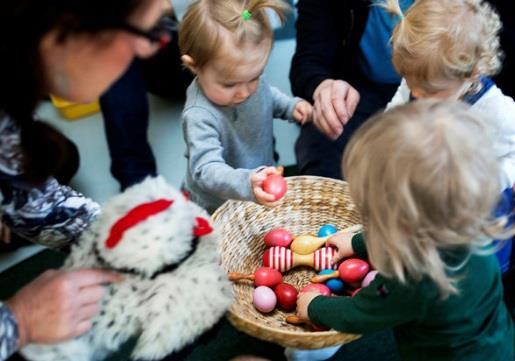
(348, 244)
(383, 304)
(290, 108)
(401, 96)
(206, 164)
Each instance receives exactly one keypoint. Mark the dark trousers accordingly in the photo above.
(317, 154)
(126, 111)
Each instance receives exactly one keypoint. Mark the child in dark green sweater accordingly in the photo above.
(423, 177)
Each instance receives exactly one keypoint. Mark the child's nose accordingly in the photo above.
(243, 91)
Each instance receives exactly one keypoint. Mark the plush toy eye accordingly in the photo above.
(202, 227)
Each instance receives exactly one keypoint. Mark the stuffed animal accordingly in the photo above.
(173, 289)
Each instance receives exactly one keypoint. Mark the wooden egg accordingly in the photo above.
(264, 299)
(326, 230)
(264, 276)
(286, 296)
(317, 287)
(368, 279)
(275, 184)
(353, 270)
(278, 237)
(336, 285)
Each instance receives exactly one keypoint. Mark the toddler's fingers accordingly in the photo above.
(263, 196)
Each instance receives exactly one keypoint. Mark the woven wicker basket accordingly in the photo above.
(309, 203)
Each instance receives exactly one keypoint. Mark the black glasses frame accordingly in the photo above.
(160, 34)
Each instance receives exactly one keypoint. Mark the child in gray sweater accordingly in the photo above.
(227, 119)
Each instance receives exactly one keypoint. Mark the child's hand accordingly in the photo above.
(256, 181)
(343, 242)
(303, 112)
(303, 301)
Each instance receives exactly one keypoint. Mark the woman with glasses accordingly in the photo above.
(74, 49)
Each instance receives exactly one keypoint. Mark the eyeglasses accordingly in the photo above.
(160, 34)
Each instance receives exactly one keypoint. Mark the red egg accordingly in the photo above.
(353, 270)
(278, 237)
(275, 184)
(286, 296)
(266, 276)
(317, 287)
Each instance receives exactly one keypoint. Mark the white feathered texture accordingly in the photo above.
(168, 311)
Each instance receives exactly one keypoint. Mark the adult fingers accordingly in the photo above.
(86, 313)
(340, 91)
(352, 101)
(320, 122)
(82, 327)
(329, 114)
(90, 295)
(91, 277)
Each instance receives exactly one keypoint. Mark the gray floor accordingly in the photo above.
(94, 178)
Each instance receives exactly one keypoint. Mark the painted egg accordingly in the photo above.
(355, 292)
(368, 279)
(266, 276)
(326, 230)
(353, 270)
(264, 299)
(286, 296)
(336, 285)
(278, 237)
(275, 184)
(317, 287)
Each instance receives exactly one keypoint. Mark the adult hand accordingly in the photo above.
(256, 181)
(303, 301)
(343, 242)
(334, 104)
(58, 305)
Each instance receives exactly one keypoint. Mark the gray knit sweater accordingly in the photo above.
(225, 145)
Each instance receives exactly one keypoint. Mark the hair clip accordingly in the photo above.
(246, 15)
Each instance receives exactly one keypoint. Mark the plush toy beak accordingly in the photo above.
(202, 227)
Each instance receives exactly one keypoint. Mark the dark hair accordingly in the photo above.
(23, 23)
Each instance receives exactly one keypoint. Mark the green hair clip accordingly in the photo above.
(246, 15)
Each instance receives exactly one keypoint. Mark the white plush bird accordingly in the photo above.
(174, 288)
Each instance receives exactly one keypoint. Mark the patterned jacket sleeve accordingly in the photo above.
(8, 333)
(49, 214)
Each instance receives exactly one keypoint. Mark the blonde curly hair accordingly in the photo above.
(437, 41)
(422, 176)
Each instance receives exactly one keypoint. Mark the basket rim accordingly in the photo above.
(216, 213)
(285, 337)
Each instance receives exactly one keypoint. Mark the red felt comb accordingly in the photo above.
(136, 215)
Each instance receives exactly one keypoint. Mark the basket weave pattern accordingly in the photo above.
(309, 203)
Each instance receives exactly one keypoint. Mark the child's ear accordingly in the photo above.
(189, 63)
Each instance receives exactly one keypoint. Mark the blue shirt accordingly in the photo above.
(375, 58)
